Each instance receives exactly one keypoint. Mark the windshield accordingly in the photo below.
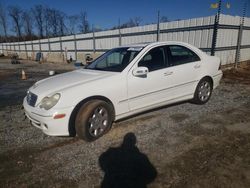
(115, 60)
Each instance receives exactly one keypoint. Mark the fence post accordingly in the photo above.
(61, 48)
(216, 26)
(32, 49)
(49, 44)
(237, 53)
(120, 34)
(19, 48)
(214, 39)
(40, 48)
(158, 27)
(94, 47)
(14, 48)
(75, 45)
(25, 45)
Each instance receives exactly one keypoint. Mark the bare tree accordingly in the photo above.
(38, 12)
(84, 24)
(164, 19)
(132, 22)
(3, 20)
(53, 22)
(15, 13)
(72, 23)
(137, 21)
(56, 22)
(27, 23)
(46, 17)
(61, 16)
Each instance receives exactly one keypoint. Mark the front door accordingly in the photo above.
(148, 90)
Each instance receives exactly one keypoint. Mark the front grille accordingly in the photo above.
(31, 99)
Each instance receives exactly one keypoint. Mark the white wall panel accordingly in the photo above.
(44, 46)
(55, 46)
(191, 37)
(84, 44)
(229, 20)
(227, 57)
(246, 37)
(44, 40)
(204, 39)
(227, 38)
(71, 37)
(198, 39)
(247, 22)
(56, 39)
(36, 47)
(69, 45)
(79, 36)
(22, 47)
(245, 54)
(29, 47)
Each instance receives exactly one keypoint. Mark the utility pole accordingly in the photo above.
(216, 25)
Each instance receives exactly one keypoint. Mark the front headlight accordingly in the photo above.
(48, 102)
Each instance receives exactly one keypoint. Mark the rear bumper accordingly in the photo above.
(216, 78)
(46, 122)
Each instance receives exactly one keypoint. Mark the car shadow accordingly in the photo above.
(126, 166)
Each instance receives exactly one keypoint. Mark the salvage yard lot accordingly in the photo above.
(188, 145)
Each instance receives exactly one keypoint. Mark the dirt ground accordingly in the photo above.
(177, 146)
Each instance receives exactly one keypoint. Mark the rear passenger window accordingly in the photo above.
(180, 55)
(154, 59)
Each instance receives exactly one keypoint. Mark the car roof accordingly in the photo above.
(142, 45)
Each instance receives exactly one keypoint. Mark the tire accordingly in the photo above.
(203, 91)
(93, 120)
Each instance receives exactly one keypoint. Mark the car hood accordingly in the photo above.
(56, 83)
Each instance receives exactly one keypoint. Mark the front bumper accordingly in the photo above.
(45, 121)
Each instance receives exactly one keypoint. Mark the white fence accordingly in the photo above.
(197, 31)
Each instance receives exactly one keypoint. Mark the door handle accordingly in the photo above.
(197, 66)
(168, 73)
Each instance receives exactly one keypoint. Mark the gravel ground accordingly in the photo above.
(182, 145)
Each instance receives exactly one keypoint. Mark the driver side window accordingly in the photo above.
(154, 59)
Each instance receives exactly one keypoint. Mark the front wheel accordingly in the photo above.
(93, 120)
(203, 91)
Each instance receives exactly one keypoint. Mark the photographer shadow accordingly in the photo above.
(126, 166)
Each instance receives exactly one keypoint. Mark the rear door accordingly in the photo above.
(183, 70)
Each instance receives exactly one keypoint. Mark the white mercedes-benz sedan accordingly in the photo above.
(122, 82)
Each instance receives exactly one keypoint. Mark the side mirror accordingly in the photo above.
(140, 71)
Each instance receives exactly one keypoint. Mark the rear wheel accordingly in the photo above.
(203, 91)
(93, 120)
